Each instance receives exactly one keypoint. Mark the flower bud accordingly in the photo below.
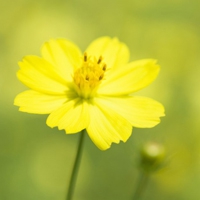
(152, 156)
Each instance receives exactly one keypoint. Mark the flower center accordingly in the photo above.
(88, 77)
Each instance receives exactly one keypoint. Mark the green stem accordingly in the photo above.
(141, 185)
(76, 167)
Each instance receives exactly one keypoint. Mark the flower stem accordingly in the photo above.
(141, 185)
(76, 167)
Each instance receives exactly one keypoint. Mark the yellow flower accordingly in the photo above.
(89, 91)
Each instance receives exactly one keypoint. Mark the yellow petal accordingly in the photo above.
(141, 112)
(106, 126)
(64, 55)
(114, 53)
(34, 102)
(39, 75)
(73, 116)
(130, 78)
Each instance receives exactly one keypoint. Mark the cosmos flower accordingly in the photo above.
(91, 90)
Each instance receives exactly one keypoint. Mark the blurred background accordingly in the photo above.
(36, 161)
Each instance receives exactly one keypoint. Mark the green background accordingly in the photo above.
(36, 161)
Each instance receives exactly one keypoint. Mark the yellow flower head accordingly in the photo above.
(90, 90)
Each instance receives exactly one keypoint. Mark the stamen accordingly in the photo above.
(85, 57)
(100, 59)
(100, 77)
(88, 76)
(104, 67)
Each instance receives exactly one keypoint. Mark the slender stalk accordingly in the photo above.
(141, 185)
(76, 167)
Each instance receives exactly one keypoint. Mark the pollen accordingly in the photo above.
(88, 77)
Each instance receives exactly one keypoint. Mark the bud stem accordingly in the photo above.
(141, 185)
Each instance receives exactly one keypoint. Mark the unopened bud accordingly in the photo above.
(152, 156)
